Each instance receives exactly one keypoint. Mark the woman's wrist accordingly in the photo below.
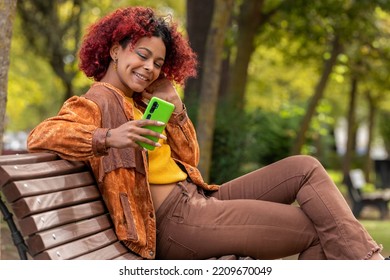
(99, 138)
(107, 140)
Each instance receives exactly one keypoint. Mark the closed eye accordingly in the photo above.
(141, 55)
(158, 62)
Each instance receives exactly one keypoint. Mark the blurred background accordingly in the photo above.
(275, 78)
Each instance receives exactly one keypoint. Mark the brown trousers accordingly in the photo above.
(287, 208)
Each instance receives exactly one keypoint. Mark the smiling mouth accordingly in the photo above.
(141, 77)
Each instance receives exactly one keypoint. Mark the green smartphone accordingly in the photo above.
(158, 110)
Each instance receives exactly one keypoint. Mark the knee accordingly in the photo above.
(306, 163)
(305, 160)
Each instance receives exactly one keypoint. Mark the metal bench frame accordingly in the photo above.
(379, 199)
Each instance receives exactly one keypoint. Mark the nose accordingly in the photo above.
(148, 65)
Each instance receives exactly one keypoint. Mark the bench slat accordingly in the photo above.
(15, 172)
(128, 256)
(27, 158)
(107, 253)
(50, 219)
(16, 190)
(44, 202)
(67, 233)
(40, 187)
(79, 247)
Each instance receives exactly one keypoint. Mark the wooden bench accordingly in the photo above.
(59, 211)
(380, 199)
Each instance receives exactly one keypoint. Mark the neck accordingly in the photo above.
(111, 78)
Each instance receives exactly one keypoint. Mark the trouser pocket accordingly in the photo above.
(180, 208)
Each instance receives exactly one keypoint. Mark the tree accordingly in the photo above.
(197, 33)
(7, 12)
(346, 28)
(317, 96)
(249, 20)
(351, 129)
(53, 29)
(368, 67)
(210, 82)
(372, 101)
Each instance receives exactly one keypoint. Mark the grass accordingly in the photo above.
(380, 232)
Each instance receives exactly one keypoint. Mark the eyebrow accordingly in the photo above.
(151, 53)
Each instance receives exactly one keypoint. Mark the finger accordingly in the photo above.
(142, 123)
(146, 94)
(149, 141)
(149, 132)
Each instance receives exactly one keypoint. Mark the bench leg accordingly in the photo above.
(16, 235)
(384, 209)
(356, 209)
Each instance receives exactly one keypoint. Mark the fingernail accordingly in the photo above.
(162, 136)
(158, 144)
(160, 123)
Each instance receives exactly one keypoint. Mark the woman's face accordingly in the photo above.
(140, 65)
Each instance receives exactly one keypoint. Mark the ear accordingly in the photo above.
(114, 51)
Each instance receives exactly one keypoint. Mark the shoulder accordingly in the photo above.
(97, 91)
(76, 103)
(103, 96)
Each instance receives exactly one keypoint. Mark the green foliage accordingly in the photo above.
(229, 145)
(271, 135)
(248, 141)
(274, 82)
(262, 136)
(34, 93)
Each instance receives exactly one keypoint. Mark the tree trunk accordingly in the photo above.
(318, 94)
(197, 33)
(225, 75)
(210, 82)
(7, 12)
(250, 18)
(351, 129)
(372, 108)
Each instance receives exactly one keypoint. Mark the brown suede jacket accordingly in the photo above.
(78, 133)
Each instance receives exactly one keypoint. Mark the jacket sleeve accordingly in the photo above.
(74, 134)
(182, 138)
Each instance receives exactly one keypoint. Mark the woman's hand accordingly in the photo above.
(164, 89)
(130, 133)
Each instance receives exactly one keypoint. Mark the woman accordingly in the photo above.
(160, 205)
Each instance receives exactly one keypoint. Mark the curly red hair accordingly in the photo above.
(128, 26)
